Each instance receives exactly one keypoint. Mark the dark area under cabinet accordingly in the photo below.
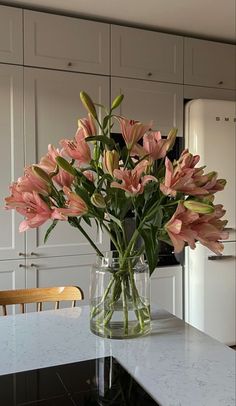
(101, 381)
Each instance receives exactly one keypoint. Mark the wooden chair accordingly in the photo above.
(39, 296)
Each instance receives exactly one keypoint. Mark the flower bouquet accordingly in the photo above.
(93, 178)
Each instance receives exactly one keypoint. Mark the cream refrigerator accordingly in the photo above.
(210, 131)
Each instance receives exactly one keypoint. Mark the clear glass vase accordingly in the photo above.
(120, 296)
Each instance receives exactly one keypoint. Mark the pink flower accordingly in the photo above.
(155, 146)
(210, 229)
(75, 206)
(30, 205)
(89, 175)
(180, 179)
(30, 182)
(132, 131)
(179, 230)
(132, 180)
(210, 182)
(88, 126)
(78, 148)
(48, 164)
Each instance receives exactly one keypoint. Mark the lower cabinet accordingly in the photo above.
(166, 289)
(60, 271)
(12, 276)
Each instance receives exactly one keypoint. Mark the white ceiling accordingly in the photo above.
(213, 19)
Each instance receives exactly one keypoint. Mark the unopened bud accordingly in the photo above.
(64, 164)
(111, 161)
(88, 104)
(98, 200)
(117, 101)
(171, 138)
(40, 173)
(198, 207)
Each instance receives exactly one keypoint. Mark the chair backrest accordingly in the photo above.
(39, 296)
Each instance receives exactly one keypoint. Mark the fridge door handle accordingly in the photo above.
(220, 257)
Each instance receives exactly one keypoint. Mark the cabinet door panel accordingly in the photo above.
(166, 289)
(12, 276)
(145, 101)
(66, 43)
(62, 271)
(11, 155)
(11, 35)
(52, 108)
(144, 54)
(208, 63)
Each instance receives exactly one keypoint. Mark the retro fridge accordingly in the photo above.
(210, 131)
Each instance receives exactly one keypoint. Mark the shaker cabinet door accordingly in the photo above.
(52, 109)
(208, 63)
(11, 156)
(12, 276)
(145, 101)
(66, 43)
(11, 35)
(166, 289)
(143, 54)
(61, 271)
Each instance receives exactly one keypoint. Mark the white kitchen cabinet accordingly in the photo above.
(12, 276)
(61, 271)
(146, 101)
(52, 108)
(208, 63)
(59, 42)
(11, 155)
(143, 54)
(201, 92)
(11, 35)
(166, 289)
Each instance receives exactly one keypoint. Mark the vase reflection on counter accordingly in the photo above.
(120, 296)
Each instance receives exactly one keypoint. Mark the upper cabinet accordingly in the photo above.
(208, 63)
(11, 35)
(66, 43)
(145, 101)
(149, 55)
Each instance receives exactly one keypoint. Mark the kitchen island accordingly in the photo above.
(176, 364)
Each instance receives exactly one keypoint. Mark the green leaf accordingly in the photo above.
(64, 164)
(102, 138)
(151, 247)
(49, 230)
(87, 220)
(116, 220)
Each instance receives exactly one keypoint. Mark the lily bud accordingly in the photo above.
(171, 138)
(88, 104)
(98, 200)
(117, 101)
(221, 182)
(198, 207)
(64, 164)
(110, 161)
(41, 174)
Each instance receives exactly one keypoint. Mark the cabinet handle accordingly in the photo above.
(22, 266)
(34, 254)
(149, 74)
(34, 266)
(220, 82)
(220, 257)
(69, 64)
(22, 254)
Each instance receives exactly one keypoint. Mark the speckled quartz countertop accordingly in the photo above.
(177, 364)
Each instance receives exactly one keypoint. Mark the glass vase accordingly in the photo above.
(120, 296)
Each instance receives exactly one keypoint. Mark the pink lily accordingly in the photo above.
(182, 180)
(30, 182)
(88, 126)
(78, 148)
(132, 180)
(48, 164)
(155, 146)
(179, 230)
(75, 206)
(132, 131)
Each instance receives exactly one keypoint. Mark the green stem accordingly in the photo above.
(74, 222)
(112, 238)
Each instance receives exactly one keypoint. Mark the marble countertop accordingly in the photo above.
(177, 364)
